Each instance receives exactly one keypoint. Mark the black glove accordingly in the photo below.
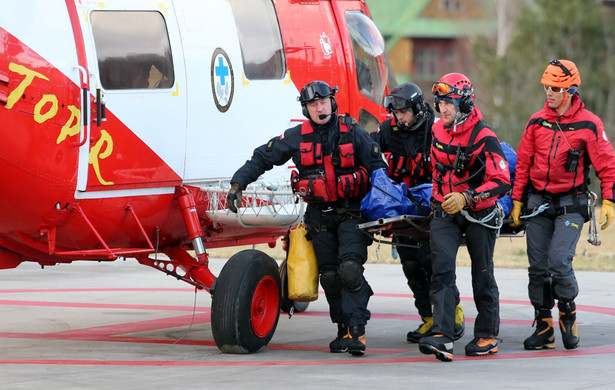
(234, 194)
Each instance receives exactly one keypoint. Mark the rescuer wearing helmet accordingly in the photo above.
(469, 172)
(405, 140)
(557, 148)
(334, 160)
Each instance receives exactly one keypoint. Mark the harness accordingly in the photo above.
(322, 178)
(402, 166)
(462, 164)
(558, 204)
(462, 161)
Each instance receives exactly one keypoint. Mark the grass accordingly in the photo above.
(510, 252)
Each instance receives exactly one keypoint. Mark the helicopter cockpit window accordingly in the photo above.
(133, 50)
(260, 40)
(370, 56)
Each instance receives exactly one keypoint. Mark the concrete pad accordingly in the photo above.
(121, 325)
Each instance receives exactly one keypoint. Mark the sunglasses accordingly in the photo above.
(554, 89)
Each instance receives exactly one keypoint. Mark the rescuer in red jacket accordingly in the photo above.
(469, 172)
(558, 146)
(405, 140)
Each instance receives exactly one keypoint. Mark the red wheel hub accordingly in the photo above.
(265, 306)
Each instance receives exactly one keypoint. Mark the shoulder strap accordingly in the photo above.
(346, 124)
(346, 130)
(477, 128)
(426, 143)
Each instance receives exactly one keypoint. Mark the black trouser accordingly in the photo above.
(446, 236)
(336, 239)
(416, 265)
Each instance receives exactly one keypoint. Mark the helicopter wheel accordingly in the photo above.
(246, 303)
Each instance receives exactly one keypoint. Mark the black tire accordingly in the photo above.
(287, 303)
(245, 304)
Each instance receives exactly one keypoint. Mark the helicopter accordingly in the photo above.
(121, 123)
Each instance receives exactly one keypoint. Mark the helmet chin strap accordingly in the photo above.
(399, 124)
(568, 96)
(459, 118)
(395, 117)
(402, 125)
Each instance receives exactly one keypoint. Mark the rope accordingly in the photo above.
(497, 213)
(537, 211)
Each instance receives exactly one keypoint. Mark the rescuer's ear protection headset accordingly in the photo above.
(466, 103)
(306, 114)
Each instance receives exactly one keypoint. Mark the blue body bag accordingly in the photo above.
(386, 198)
(420, 196)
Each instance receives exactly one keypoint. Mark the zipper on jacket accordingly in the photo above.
(559, 138)
(549, 156)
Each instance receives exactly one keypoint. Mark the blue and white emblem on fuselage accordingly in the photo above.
(222, 80)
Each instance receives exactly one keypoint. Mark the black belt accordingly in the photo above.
(438, 211)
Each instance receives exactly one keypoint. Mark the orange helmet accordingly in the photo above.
(561, 73)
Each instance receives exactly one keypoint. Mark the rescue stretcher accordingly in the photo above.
(416, 227)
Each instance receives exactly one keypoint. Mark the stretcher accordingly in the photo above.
(416, 227)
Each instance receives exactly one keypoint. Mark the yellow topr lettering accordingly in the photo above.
(96, 155)
(41, 117)
(72, 125)
(25, 83)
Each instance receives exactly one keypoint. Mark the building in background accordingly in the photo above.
(429, 38)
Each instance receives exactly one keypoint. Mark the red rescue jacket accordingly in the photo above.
(484, 171)
(546, 143)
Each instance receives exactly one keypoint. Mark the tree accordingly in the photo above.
(509, 84)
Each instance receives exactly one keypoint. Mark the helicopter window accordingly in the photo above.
(368, 121)
(370, 56)
(133, 50)
(260, 40)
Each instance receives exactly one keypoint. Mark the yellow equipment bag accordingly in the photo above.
(302, 266)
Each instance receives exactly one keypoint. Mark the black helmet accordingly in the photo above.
(407, 96)
(316, 90)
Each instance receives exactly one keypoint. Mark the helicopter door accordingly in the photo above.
(138, 127)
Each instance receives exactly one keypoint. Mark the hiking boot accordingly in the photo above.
(568, 324)
(460, 324)
(356, 346)
(439, 345)
(481, 346)
(341, 341)
(423, 330)
(543, 337)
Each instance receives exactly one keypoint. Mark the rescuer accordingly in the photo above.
(470, 173)
(405, 140)
(334, 159)
(558, 146)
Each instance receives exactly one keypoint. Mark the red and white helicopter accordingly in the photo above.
(121, 122)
